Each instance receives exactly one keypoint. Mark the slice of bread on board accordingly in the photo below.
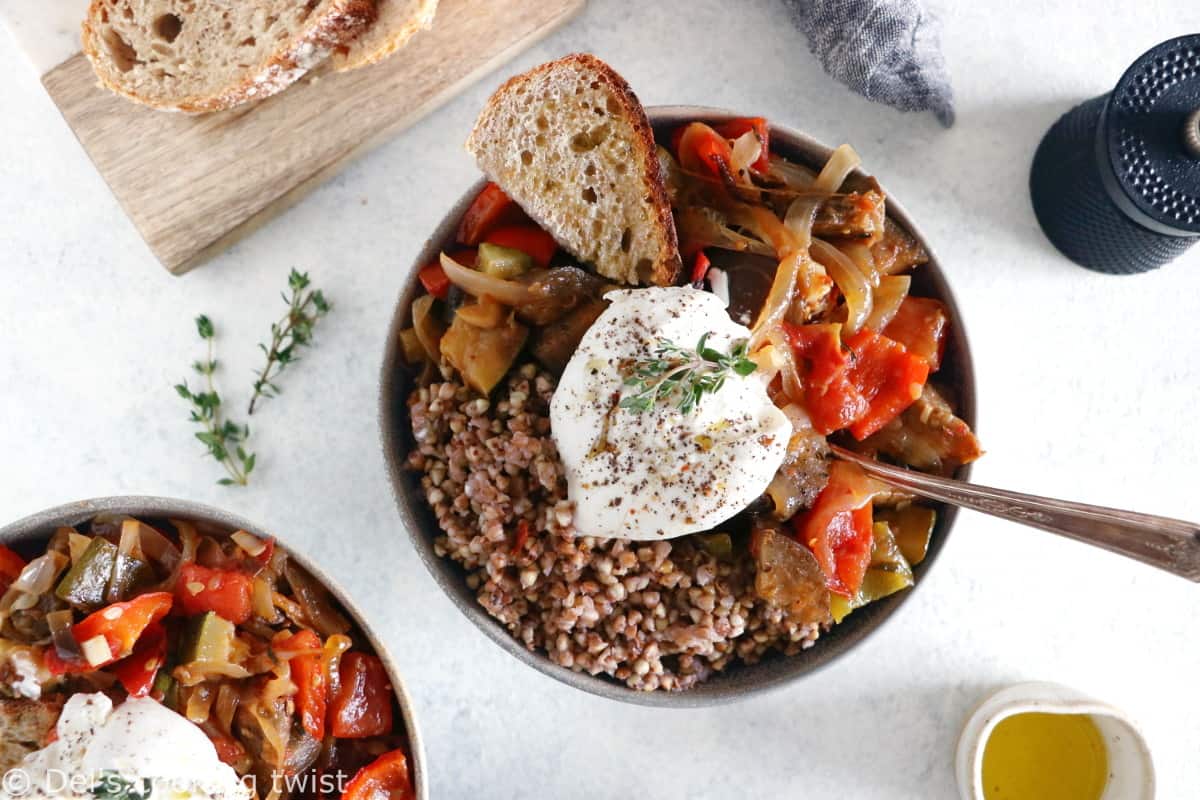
(571, 144)
(183, 55)
(399, 21)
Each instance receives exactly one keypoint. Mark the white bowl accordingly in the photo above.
(1130, 767)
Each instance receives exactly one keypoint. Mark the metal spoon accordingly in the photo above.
(1169, 544)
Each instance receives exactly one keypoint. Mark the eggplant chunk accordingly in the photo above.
(554, 344)
(851, 216)
(483, 355)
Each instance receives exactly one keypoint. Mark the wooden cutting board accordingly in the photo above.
(193, 185)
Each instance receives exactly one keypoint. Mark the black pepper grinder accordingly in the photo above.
(1116, 180)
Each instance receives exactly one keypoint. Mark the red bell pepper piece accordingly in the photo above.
(700, 268)
(921, 324)
(489, 210)
(57, 665)
(701, 149)
(385, 778)
(737, 128)
(11, 564)
(136, 672)
(227, 592)
(434, 279)
(122, 624)
(312, 684)
(887, 375)
(838, 528)
(529, 239)
(362, 706)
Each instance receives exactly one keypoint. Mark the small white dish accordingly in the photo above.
(1130, 767)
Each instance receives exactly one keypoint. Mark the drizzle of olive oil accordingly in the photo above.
(1037, 756)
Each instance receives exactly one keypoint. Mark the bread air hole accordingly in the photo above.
(589, 140)
(526, 157)
(123, 56)
(645, 270)
(626, 240)
(589, 194)
(167, 27)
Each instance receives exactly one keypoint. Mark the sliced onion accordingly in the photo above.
(77, 544)
(262, 600)
(794, 177)
(841, 163)
(889, 295)
(60, 623)
(853, 284)
(478, 284)
(860, 254)
(790, 376)
(226, 707)
(156, 547)
(316, 602)
(335, 647)
(199, 704)
(197, 672)
(746, 150)
(40, 574)
(301, 754)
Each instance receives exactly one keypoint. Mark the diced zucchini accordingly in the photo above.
(505, 263)
(102, 575)
(717, 545)
(888, 573)
(208, 638)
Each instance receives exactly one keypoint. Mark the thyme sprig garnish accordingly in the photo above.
(671, 369)
(224, 438)
(115, 786)
(294, 329)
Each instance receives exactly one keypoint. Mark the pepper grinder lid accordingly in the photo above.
(1151, 138)
(1116, 181)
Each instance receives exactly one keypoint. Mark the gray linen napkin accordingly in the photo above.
(886, 50)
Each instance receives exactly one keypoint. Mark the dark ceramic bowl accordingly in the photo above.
(34, 531)
(739, 680)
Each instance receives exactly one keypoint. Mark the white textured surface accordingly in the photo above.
(1088, 389)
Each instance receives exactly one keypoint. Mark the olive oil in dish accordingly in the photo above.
(1039, 756)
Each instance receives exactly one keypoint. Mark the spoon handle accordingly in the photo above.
(1169, 544)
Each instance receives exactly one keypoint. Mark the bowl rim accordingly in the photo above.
(40, 525)
(720, 688)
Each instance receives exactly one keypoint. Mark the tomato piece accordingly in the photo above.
(312, 684)
(137, 670)
(11, 565)
(832, 401)
(838, 528)
(229, 750)
(737, 128)
(701, 149)
(362, 706)
(227, 592)
(921, 324)
(700, 268)
(385, 778)
(122, 624)
(529, 239)
(887, 375)
(434, 279)
(490, 209)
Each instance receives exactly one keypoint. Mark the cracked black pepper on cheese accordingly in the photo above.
(661, 472)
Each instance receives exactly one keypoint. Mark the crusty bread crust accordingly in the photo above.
(366, 51)
(666, 267)
(344, 20)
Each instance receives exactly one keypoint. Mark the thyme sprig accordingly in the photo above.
(224, 438)
(671, 369)
(293, 330)
(115, 786)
